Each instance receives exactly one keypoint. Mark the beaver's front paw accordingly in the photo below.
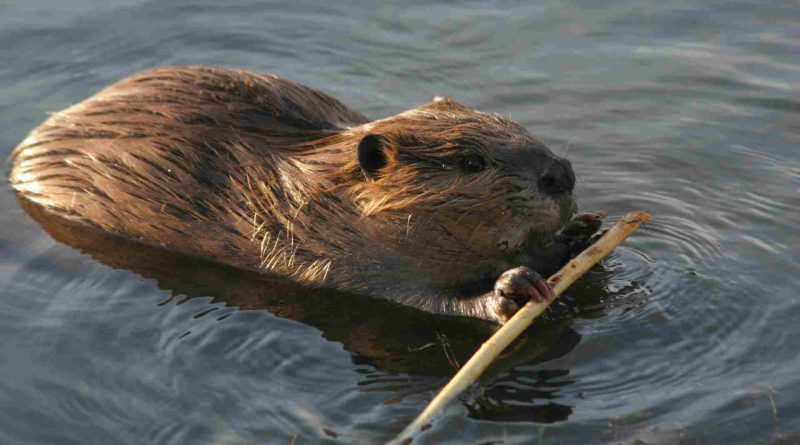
(514, 288)
(579, 233)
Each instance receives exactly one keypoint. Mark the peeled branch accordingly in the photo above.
(492, 348)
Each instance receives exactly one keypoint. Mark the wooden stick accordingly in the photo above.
(520, 321)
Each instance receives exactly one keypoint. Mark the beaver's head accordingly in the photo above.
(464, 185)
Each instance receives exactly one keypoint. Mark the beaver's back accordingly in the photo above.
(149, 155)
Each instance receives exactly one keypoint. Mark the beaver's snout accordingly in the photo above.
(558, 178)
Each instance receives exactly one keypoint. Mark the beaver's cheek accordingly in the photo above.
(506, 234)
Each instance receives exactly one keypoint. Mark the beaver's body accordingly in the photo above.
(262, 173)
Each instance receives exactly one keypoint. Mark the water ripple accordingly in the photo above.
(661, 106)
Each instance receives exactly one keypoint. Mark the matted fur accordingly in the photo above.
(261, 173)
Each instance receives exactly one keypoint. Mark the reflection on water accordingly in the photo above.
(389, 337)
(685, 334)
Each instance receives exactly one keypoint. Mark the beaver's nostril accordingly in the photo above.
(558, 179)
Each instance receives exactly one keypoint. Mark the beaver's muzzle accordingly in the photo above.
(558, 179)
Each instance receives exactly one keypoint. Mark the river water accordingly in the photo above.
(688, 333)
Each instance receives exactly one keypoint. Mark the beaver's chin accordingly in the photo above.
(535, 231)
(568, 207)
(565, 209)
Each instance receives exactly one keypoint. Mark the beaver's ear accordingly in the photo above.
(372, 155)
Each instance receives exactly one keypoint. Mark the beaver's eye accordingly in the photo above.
(472, 164)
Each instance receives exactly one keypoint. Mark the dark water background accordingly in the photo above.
(687, 334)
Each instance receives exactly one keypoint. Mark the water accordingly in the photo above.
(686, 334)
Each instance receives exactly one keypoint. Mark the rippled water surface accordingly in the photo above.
(688, 333)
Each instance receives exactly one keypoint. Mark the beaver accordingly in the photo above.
(426, 208)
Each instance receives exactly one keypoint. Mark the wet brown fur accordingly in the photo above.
(260, 172)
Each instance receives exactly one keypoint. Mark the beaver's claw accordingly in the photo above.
(514, 288)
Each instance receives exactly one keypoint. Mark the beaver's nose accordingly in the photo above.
(558, 178)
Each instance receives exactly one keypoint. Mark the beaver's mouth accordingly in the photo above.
(565, 209)
(568, 207)
(540, 223)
